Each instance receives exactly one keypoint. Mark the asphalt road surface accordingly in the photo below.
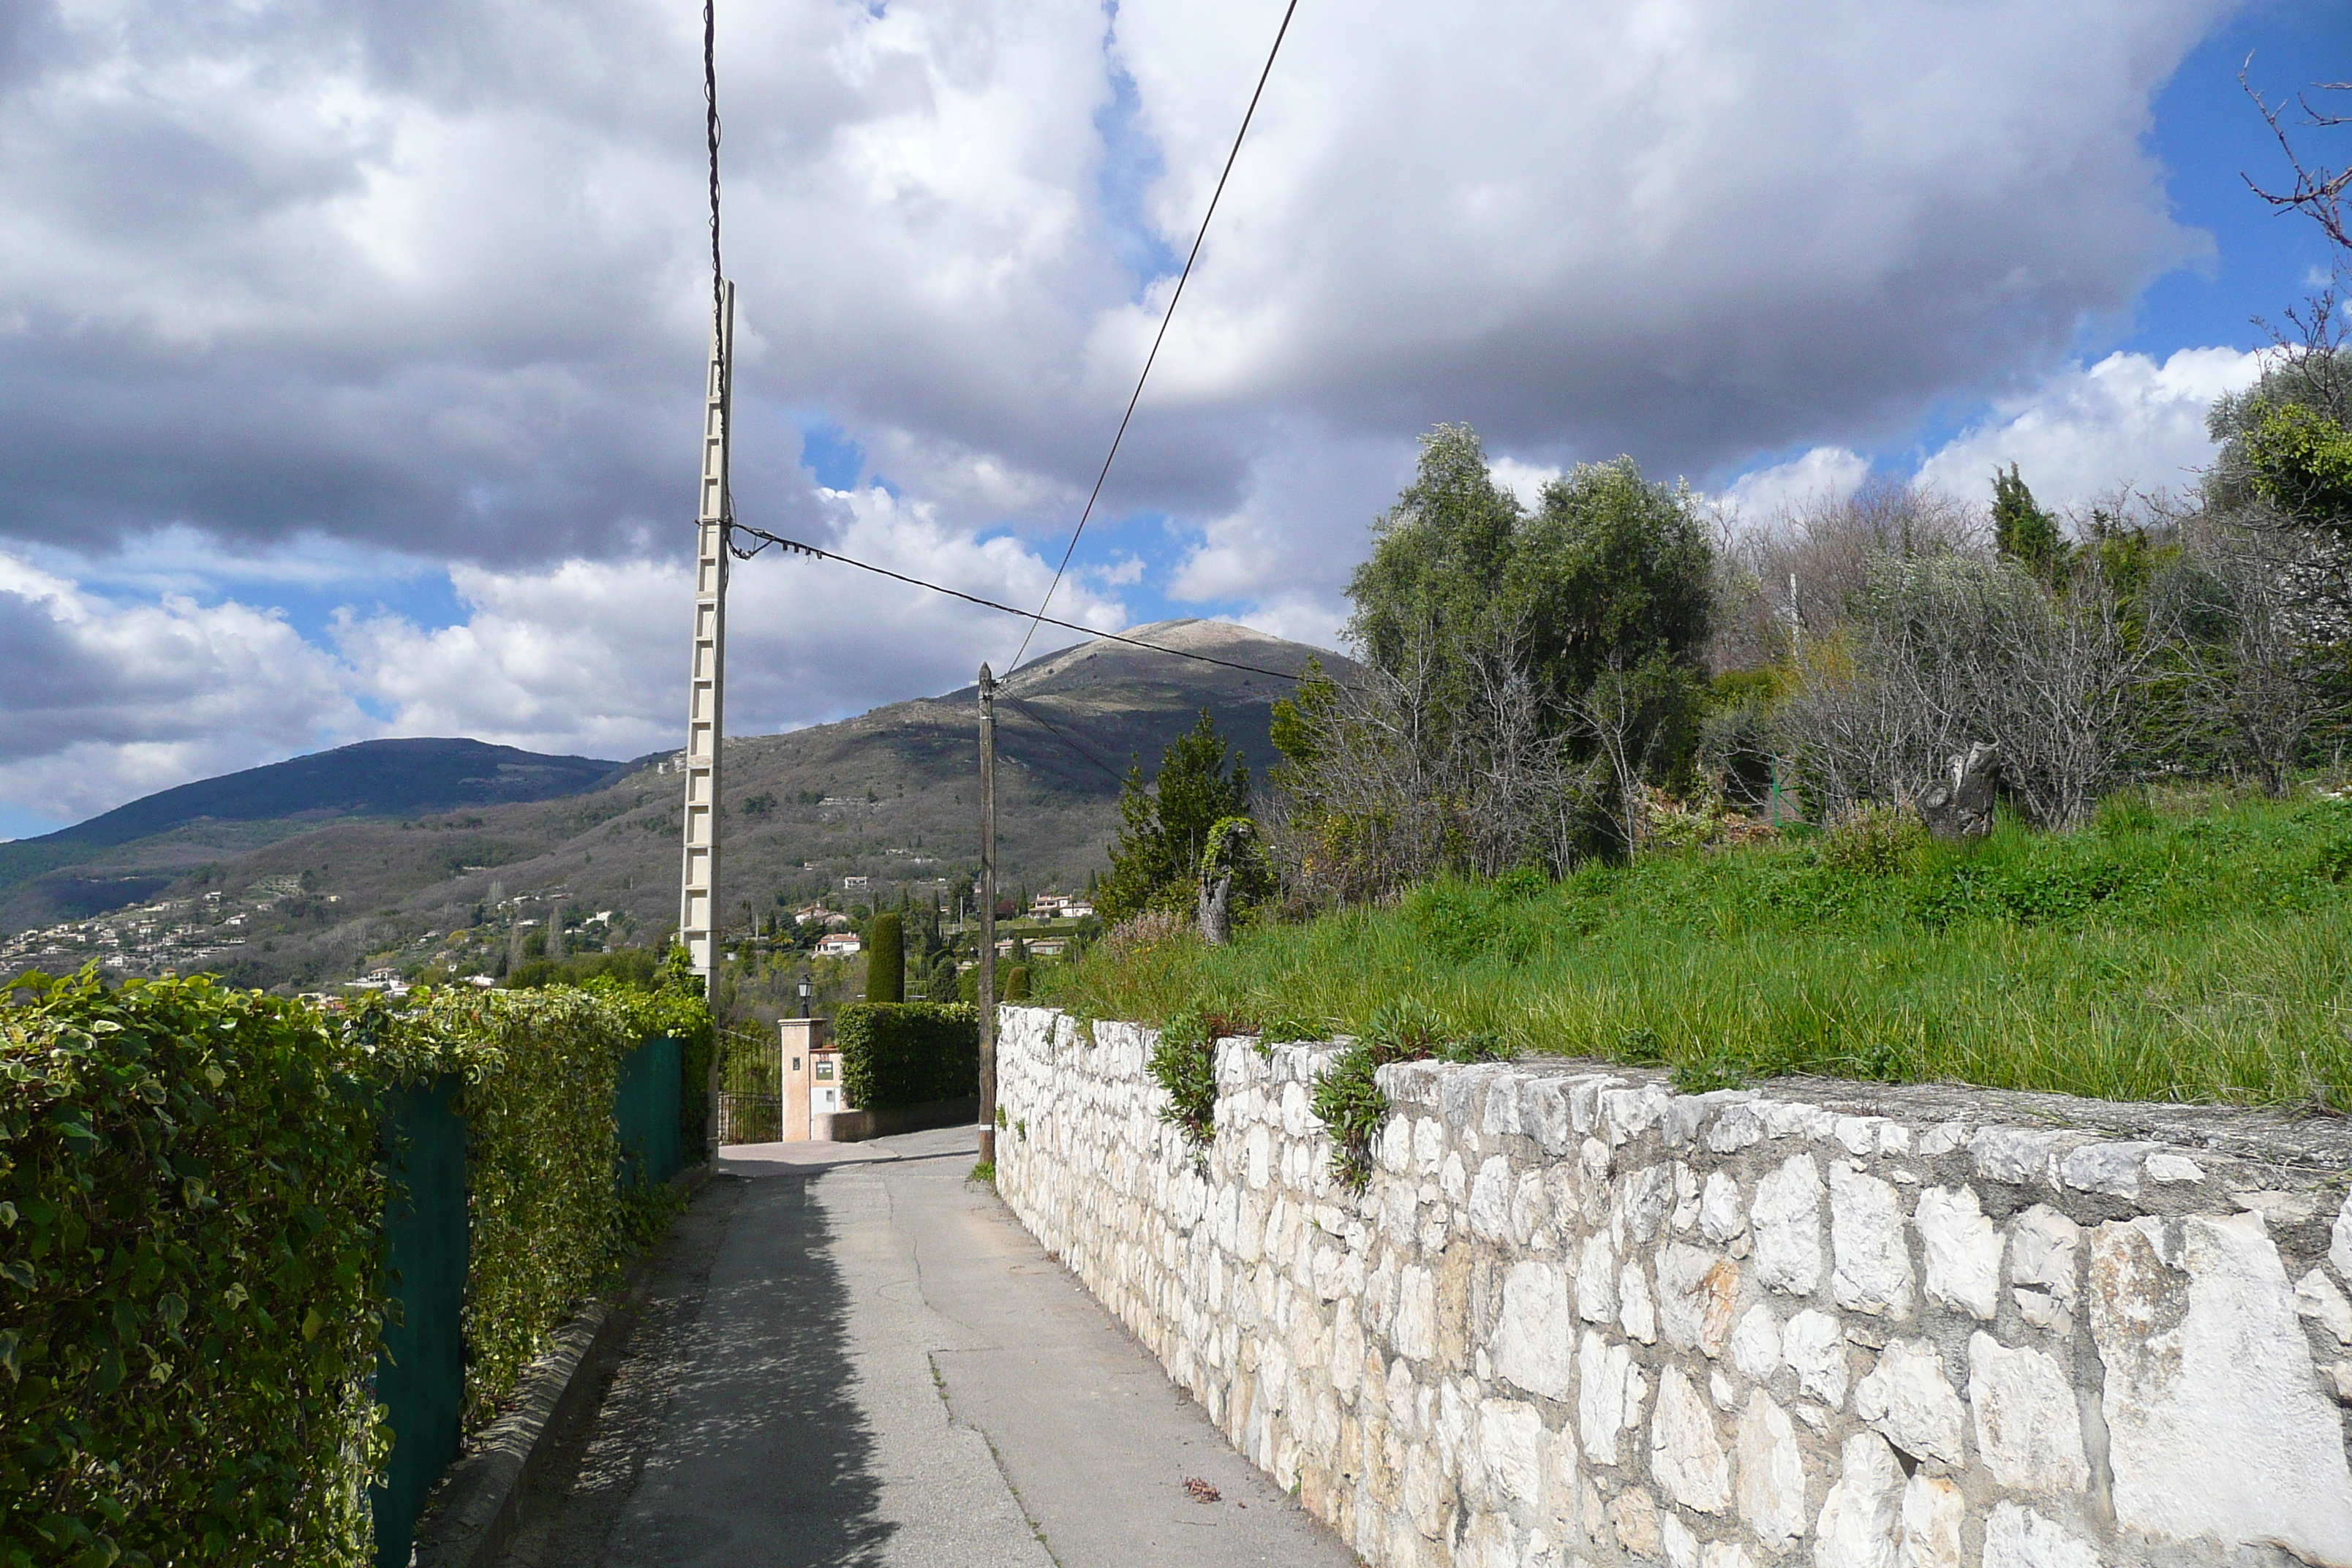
(852, 1354)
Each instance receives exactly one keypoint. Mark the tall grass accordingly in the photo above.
(2196, 948)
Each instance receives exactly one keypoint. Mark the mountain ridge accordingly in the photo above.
(889, 794)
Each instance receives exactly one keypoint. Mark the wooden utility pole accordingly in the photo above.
(698, 902)
(987, 917)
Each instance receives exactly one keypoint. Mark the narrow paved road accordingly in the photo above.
(852, 1354)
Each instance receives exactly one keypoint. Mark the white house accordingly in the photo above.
(838, 944)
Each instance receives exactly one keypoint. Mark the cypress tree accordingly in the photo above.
(2021, 530)
(1016, 983)
(885, 958)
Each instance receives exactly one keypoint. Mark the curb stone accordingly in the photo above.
(474, 1510)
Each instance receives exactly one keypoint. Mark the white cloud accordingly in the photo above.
(1822, 474)
(106, 700)
(425, 284)
(589, 656)
(1525, 481)
(2126, 420)
(430, 275)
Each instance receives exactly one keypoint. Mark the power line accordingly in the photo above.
(1165, 318)
(798, 548)
(1109, 771)
(711, 133)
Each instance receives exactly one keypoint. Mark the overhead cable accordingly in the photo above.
(711, 133)
(798, 548)
(1108, 771)
(1166, 316)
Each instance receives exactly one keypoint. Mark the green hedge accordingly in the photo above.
(191, 1246)
(907, 1053)
(189, 1279)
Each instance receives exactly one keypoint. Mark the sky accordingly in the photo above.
(350, 354)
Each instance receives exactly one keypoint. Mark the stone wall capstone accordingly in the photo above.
(1578, 1318)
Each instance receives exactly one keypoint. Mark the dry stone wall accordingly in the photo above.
(1580, 1318)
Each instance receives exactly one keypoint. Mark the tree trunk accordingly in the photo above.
(1960, 808)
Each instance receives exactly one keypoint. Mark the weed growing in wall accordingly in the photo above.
(1348, 1098)
(1184, 1063)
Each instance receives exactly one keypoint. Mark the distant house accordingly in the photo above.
(1059, 906)
(838, 944)
(855, 884)
(1048, 946)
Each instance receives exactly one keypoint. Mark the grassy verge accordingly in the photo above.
(2194, 947)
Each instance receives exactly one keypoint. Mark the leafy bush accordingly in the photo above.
(1872, 840)
(191, 1246)
(540, 1067)
(907, 1053)
(189, 1270)
(1184, 1063)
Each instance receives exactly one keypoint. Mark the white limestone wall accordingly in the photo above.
(1580, 1318)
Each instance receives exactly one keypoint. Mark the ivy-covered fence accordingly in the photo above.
(198, 1235)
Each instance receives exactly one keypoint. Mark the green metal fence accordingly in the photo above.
(645, 1107)
(421, 1370)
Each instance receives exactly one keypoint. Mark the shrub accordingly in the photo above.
(1016, 983)
(540, 1069)
(193, 1268)
(885, 958)
(189, 1273)
(1872, 841)
(1184, 1063)
(907, 1053)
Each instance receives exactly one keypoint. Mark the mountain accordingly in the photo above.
(158, 837)
(891, 795)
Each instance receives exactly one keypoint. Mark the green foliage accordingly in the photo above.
(1165, 828)
(1184, 1063)
(1348, 1098)
(1300, 719)
(190, 1249)
(1872, 841)
(191, 1245)
(1735, 743)
(2022, 530)
(2301, 463)
(1016, 983)
(1705, 1075)
(1350, 1104)
(907, 1053)
(2198, 956)
(540, 1067)
(885, 958)
(1611, 570)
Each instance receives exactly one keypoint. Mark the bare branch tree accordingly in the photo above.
(2317, 193)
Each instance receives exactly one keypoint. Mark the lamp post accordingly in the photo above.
(804, 996)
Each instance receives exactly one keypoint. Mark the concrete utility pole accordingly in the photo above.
(698, 903)
(987, 917)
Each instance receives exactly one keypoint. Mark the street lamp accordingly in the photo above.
(804, 996)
